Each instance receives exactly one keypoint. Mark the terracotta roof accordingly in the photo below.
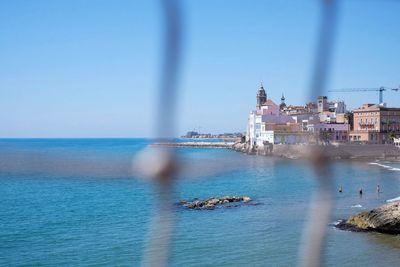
(269, 102)
(375, 107)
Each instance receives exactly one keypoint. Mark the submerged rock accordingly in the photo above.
(213, 202)
(385, 219)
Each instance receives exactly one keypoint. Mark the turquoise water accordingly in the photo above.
(76, 202)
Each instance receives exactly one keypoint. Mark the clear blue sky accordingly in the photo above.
(77, 68)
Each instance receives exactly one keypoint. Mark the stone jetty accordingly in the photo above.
(385, 219)
(197, 144)
(212, 203)
(300, 151)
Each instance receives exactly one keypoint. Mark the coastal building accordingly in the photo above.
(295, 110)
(328, 110)
(374, 123)
(341, 118)
(290, 124)
(261, 97)
(191, 134)
(338, 107)
(282, 106)
(298, 113)
(331, 112)
(268, 108)
(260, 123)
(268, 120)
(329, 124)
(327, 117)
(283, 137)
(312, 107)
(322, 104)
(330, 132)
(311, 120)
(253, 128)
(396, 142)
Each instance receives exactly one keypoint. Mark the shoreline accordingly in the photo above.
(301, 151)
(227, 145)
(331, 151)
(223, 139)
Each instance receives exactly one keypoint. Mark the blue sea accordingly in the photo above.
(78, 202)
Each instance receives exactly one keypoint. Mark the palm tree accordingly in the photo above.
(349, 118)
(392, 136)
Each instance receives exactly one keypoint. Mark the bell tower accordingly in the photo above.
(261, 97)
(283, 104)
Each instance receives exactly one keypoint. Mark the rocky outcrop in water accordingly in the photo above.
(213, 202)
(385, 219)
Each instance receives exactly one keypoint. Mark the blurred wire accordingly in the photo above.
(321, 205)
(166, 122)
(324, 49)
(160, 163)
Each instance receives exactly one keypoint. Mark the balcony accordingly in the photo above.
(366, 124)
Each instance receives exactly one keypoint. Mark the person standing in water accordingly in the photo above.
(378, 189)
(361, 192)
(340, 189)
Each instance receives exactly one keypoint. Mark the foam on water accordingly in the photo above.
(393, 200)
(390, 168)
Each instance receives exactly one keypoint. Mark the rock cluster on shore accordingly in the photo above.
(240, 147)
(213, 202)
(385, 219)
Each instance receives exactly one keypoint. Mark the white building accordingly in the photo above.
(329, 111)
(271, 124)
(266, 116)
(396, 142)
(337, 107)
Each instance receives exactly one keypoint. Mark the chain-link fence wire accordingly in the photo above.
(161, 166)
(321, 205)
(160, 163)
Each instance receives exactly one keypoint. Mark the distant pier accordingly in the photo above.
(197, 144)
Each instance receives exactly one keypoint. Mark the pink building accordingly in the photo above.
(337, 132)
(268, 108)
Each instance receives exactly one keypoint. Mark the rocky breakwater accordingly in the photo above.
(241, 147)
(212, 203)
(385, 219)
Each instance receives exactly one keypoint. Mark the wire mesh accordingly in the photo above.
(321, 205)
(163, 167)
(160, 164)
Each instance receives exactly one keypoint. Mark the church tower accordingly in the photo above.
(261, 97)
(283, 104)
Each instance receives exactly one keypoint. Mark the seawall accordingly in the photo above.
(338, 151)
(334, 151)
